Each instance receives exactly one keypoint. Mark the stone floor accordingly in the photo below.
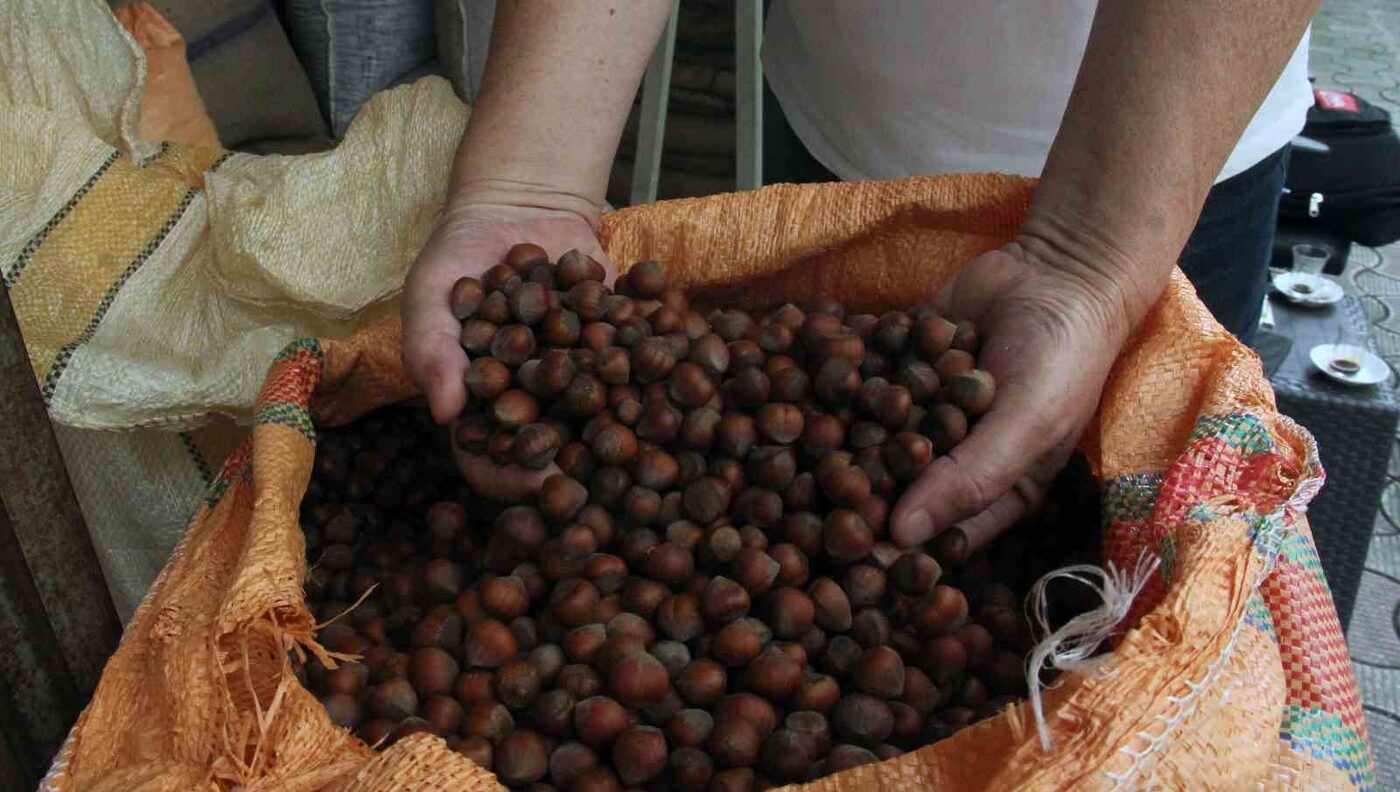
(1356, 46)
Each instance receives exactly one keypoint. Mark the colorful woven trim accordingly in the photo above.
(286, 414)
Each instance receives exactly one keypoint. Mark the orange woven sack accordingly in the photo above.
(1232, 671)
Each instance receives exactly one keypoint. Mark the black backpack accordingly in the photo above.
(1352, 189)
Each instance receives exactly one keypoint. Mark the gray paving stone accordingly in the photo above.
(1385, 746)
(1372, 635)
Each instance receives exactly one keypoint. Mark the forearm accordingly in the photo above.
(558, 84)
(1163, 93)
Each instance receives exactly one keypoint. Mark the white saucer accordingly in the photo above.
(1373, 370)
(1316, 290)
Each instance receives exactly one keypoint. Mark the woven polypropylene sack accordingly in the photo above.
(1232, 672)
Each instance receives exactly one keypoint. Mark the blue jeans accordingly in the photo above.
(1226, 258)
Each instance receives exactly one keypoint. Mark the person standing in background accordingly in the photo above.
(1159, 131)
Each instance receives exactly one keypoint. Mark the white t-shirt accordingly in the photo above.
(885, 89)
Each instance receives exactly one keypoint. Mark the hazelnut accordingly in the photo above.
(599, 779)
(870, 627)
(736, 434)
(802, 529)
(846, 485)
(862, 719)
(944, 611)
(706, 499)
(978, 644)
(735, 779)
(585, 396)
(576, 267)
(949, 547)
(837, 381)
(689, 728)
(973, 391)
(919, 378)
(792, 564)
(569, 761)
(933, 335)
(615, 444)
(536, 445)
(738, 642)
(965, 337)
(616, 647)
(679, 616)
(775, 339)
(734, 742)
(880, 672)
(840, 655)
(745, 354)
(691, 768)
(608, 487)
(440, 627)
(587, 299)
(790, 612)
(749, 388)
(787, 755)
(702, 682)
(432, 671)
(864, 585)
(690, 385)
(818, 693)
(780, 423)
(576, 461)
(1006, 673)
(845, 535)
(952, 363)
(643, 597)
(522, 757)
(487, 720)
(477, 750)
(514, 408)
(476, 336)
(773, 675)
(598, 721)
(652, 359)
(915, 574)
(579, 680)
(489, 644)
(343, 709)
(487, 377)
(560, 328)
(639, 754)
(747, 707)
(919, 691)
(529, 303)
(574, 602)
(845, 757)
(729, 471)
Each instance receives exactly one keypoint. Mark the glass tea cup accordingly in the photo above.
(1348, 352)
(1310, 259)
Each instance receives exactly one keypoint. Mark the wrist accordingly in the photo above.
(509, 197)
(1122, 283)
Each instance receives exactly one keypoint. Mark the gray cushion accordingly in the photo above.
(244, 67)
(353, 48)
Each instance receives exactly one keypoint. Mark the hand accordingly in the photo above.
(470, 239)
(1049, 337)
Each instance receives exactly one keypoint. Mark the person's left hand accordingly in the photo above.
(1050, 334)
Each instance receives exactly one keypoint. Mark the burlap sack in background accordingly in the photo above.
(1233, 675)
(154, 280)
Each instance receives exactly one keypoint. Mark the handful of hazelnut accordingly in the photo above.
(703, 597)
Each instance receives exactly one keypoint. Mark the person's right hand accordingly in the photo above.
(470, 239)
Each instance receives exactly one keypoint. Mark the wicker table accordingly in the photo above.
(1354, 427)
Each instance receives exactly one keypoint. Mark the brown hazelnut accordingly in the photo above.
(965, 337)
(569, 761)
(790, 612)
(522, 757)
(780, 423)
(488, 720)
(802, 530)
(608, 486)
(643, 596)
(690, 385)
(706, 499)
(840, 655)
(773, 675)
(652, 359)
(817, 692)
(736, 434)
(862, 719)
(477, 750)
(560, 328)
(730, 325)
(588, 300)
(870, 628)
(689, 728)
(608, 608)
(585, 396)
(599, 779)
(812, 726)
(580, 680)
(915, 574)
(613, 365)
(919, 378)
(775, 339)
(679, 617)
(865, 585)
(972, 391)
(933, 335)
(943, 659)
(949, 547)
(487, 377)
(702, 682)
(574, 602)
(846, 536)
(792, 564)
(942, 612)
(1006, 673)
(710, 353)
(639, 754)
(515, 408)
(598, 720)
(616, 647)
(739, 642)
(755, 570)
(952, 363)
(734, 742)
(523, 256)
(747, 707)
(691, 768)
(729, 471)
(536, 445)
(837, 381)
(787, 755)
(880, 672)
(638, 677)
(576, 267)
(832, 608)
(919, 691)
(529, 303)
(517, 683)
(978, 644)
(432, 671)
(489, 644)
(749, 388)
(343, 709)
(844, 484)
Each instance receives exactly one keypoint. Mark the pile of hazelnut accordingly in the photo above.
(704, 596)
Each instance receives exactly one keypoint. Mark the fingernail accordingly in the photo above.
(918, 526)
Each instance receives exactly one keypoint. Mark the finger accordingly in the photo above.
(976, 472)
(509, 483)
(1018, 503)
(432, 351)
(971, 292)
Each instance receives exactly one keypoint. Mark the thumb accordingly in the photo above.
(975, 474)
(435, 361)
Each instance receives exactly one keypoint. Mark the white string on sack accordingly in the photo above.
(1071, 648)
